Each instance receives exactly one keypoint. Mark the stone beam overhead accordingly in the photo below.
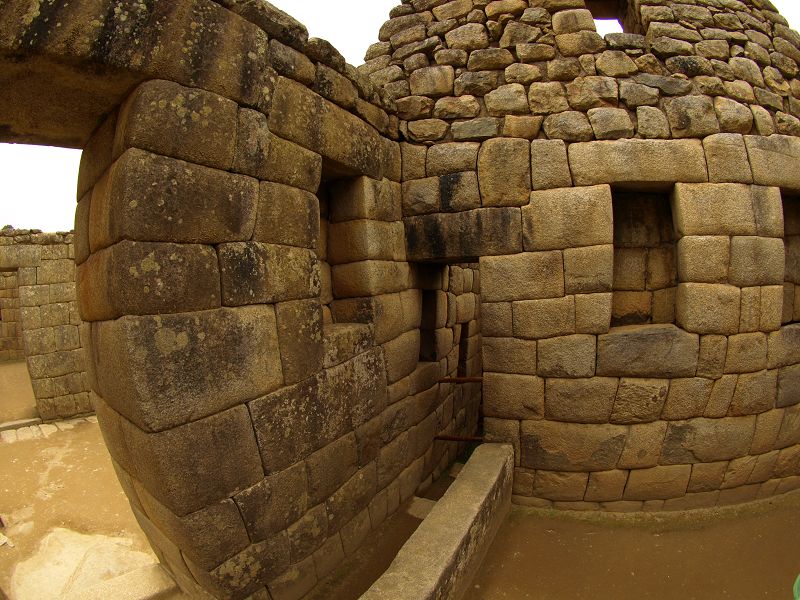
(279, 257)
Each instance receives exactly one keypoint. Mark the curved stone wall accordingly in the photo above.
(280, 257)
(626, 196)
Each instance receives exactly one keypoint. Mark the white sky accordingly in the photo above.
(37, 184)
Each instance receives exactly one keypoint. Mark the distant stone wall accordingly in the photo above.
(10, 330)
(43, 266)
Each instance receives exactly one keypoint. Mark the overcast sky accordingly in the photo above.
(37, 184)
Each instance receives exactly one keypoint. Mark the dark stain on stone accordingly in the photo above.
(448, 185)
(38, 32)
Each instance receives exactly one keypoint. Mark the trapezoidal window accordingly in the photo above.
(791, 286)
(645, 270)
(614, 16)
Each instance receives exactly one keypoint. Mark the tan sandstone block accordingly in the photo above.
(557, 219)
(637, 162)
(504, 171)
(643, 445)
(549, 165)
(756, 261)
(560, 486)
(714, 209)
(755, 393)
(525, 276)
(593, 313)
(747, 352)
(568, 356)
(571, 446)
(639, 400)
(509, 355)
(535, 319)
(703, 259)
(708, 308)
(580, 400)
(727, 159)
(658, 483)
(370, 278)
(606, 486)
(357, 240)
(589, 269)
(687, 398)
(513, 396)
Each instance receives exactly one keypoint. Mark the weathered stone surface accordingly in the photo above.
(194, 127)
(772, 158)
(568, 218)
(568, 356)
(580, 400)
(509, 355)
(639, 400)
(216, 359)
(504, 172)
(481, 232)
(526, 276)
(638, 162)
(707, 440)
(148, 278)
(549, 165)
(287, 216)
(306, 118)
(513, 396)
(252, 273)
(708, 308)
(184, 480)
(570, 126)
(299, 338)
(535, 319)
(643, 445)
(658, 483)
(275, 502)
(571, 446)
(647, 351)
(153, 198)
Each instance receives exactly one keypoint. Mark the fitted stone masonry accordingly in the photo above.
(280, 256)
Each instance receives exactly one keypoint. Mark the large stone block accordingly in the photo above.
(186, 123)
(589, 269)
(300, 115)
(504, 171)
(287, 216)
(167, 370)
(708, 308)
(365, 198)
(352, 241)
(509, 355)
(370, 278)
(329, 467)
(534, 319)
(566, 218)
(132, 278)
(184, 480)
(580, 400)
(568, 356)
(643, 445)
(158, 199)
(526, 276)
(756, 261)
(252, 273)
(716, 209)
(772, 160)
(658, 483)
(468, 234)
(784, 346)
(563, 487)
(755, 393)
(707, 440)
(571, 446)
(727, 159)
(353, 497)
(638, 162)
(687, 398)
(300, 338)
(703, 259)
(648, 351)
(549, 165)
(513, 396)
(639, 400)
(274, 503)
(432, 81)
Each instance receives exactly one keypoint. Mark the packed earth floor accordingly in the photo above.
(68, 523)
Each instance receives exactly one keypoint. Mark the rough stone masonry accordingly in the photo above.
(280, 256)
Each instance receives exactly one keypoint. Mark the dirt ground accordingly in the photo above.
(66, 518)
(16, 394)
(733, 553)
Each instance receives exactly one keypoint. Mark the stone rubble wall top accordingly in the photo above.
(470, 70)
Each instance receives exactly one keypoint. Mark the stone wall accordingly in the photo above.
(42, 267)
(243, 271)
(631, 180)
(10, 329)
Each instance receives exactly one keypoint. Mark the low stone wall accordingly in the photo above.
(43, 265)
(10, 329)
(440, 559)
